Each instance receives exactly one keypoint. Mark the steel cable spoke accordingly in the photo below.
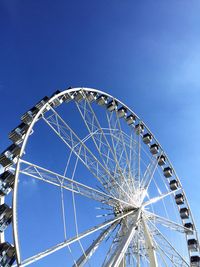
(87, 157)
(97, 128)
(166, 222)
(115, 145)
(168, 242)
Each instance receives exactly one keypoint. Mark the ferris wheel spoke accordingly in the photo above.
(165, 222)
(138, 162)
(124, 177)
(74, 209)
(160, 197)
(117, 257)
(138, 245)
(149, 175)
(175, 254)
(58, 180)
(113, 244)
(123, 144)
(163, 254)
(70, 241)
(85, 155)
(75, 144)
(118, 142)
(174, 258)
(118, 254)
(136, 248)
(93, 247)
(100, 140)
(96, 132)
(132, 161)
(149, 244)
(118, 153)
(92, 123)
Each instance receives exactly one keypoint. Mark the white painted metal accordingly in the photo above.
(56, 179)
(118, 257)
(125, 192)
(71, 139)
(183, 261)
(93, 247)
(72, 240)
(151, 250)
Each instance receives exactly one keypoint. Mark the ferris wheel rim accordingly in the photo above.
(15, 191)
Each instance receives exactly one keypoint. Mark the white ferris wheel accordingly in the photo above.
(86, 183)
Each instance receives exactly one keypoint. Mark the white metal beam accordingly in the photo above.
(93, 247)
(72, 240)
(73, 142)
(149, 242)
(56, 179)
(119, 255)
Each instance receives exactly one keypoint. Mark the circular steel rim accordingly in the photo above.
(23, 146)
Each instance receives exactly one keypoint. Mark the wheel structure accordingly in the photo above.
(86, 183)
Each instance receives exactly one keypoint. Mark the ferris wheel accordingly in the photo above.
(86, 183)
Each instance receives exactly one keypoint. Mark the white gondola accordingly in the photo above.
(5, 217)
(122, 112)
(130, 119)
(91, 96)
(78, 96)
(189, 228)
(147, 138)
(192, 244)
(7, 180)
(195, 261)
(67, 97)
(18, 134)
(184, 213)
(102, 100)
(154, 149)
(7, 254)
(167, 172)
(139, 128)
(29, 115)
(161, 160)
(173, 185)
(8, 156)
(57, 101)
(112, 105)
(179, 198)
(42, 102)
(5, 162)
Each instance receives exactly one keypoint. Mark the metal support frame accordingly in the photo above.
(93, 247)
(72, 240)
(150, 245)
(119, 254)
(86, 158)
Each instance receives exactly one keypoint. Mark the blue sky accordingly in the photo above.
(146, 53)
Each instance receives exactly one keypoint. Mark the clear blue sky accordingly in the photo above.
(146, 53)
